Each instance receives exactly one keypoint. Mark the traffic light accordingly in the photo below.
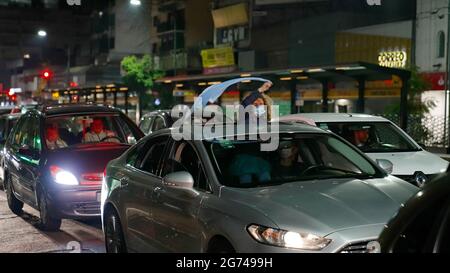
(46, 74)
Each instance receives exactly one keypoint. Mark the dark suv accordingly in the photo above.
(55, 158)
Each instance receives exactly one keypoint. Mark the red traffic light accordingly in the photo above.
(46, 74)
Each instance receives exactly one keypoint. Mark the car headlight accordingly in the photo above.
(63, 177)
(288, 239)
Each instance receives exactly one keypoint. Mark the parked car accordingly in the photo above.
(315, 193)
(423, 224)
(380, 138)
(7, 122)
(55, 158)
(155, 121)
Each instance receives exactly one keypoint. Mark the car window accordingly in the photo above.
(2, 129)
(24, 134)
(158, 124)
(184, 158)
(152, 153)
(87, 129)
(299, 157)
(372, 137)
(35, 141)
(145, 124)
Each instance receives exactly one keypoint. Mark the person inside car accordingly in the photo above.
(361, 137)
(53, 139)
(288, 165)
(98, 133)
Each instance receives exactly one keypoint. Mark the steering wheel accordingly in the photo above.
(111, 137)
(310, 168)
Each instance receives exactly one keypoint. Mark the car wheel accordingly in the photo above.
(222, 247)
(47, 222)
(114, 239)
(14, 204)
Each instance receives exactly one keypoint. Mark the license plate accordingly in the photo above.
(99, 196)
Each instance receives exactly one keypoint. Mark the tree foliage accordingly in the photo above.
(140, 73)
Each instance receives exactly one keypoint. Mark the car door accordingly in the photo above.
(30, 163)
(15, 161)
(178, 228)
(138, 185)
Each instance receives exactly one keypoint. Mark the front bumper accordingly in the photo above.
(74, 203)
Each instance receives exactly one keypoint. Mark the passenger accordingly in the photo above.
(53, 139)
(250, 169)
(261, 102)
(99, 134)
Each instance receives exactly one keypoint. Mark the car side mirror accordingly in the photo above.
(180, 180)
(386, 165)
(28, 152)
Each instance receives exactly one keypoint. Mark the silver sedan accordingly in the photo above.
(315, 193)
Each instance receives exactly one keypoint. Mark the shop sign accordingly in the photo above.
(393, 59)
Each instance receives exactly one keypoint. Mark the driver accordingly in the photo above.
(288, 165)
(99, 134)
(361, 137)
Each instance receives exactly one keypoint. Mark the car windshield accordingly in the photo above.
(299, 157)
(375, 137)
(67, 131)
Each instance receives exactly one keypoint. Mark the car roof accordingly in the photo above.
(63, 109)
(339, 117)
(284, 128)
(156, 112)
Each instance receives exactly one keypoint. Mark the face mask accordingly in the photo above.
(260, 110)
(286, 153)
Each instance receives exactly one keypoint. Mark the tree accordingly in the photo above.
(417, 109)
(140, 75)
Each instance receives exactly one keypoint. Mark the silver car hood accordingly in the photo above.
(326, 206)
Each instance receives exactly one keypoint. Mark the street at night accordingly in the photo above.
(243, 128)
(20, 234)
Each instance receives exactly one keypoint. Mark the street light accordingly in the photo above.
(42, 33)
(135, 2)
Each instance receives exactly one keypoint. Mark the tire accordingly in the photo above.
(47, 222)
(114, 239)
(14, 204)
(221, 247)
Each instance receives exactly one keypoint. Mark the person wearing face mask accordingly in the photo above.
(261, 104)
(99, 134)
(288, 165)
(53, 139)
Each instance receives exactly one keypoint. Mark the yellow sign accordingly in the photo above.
(393, 59)
(218, 57)
(231, 16)
(352, 47)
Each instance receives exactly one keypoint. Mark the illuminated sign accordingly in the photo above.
(393, 59)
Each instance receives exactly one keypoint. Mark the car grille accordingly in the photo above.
(356, 248)
(411, 178)
(88, 208)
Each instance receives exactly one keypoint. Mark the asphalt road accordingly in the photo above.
(20, 234)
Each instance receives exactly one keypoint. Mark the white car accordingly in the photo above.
(381, 140)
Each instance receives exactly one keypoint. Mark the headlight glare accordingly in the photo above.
(63, 177)
(288, 239)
